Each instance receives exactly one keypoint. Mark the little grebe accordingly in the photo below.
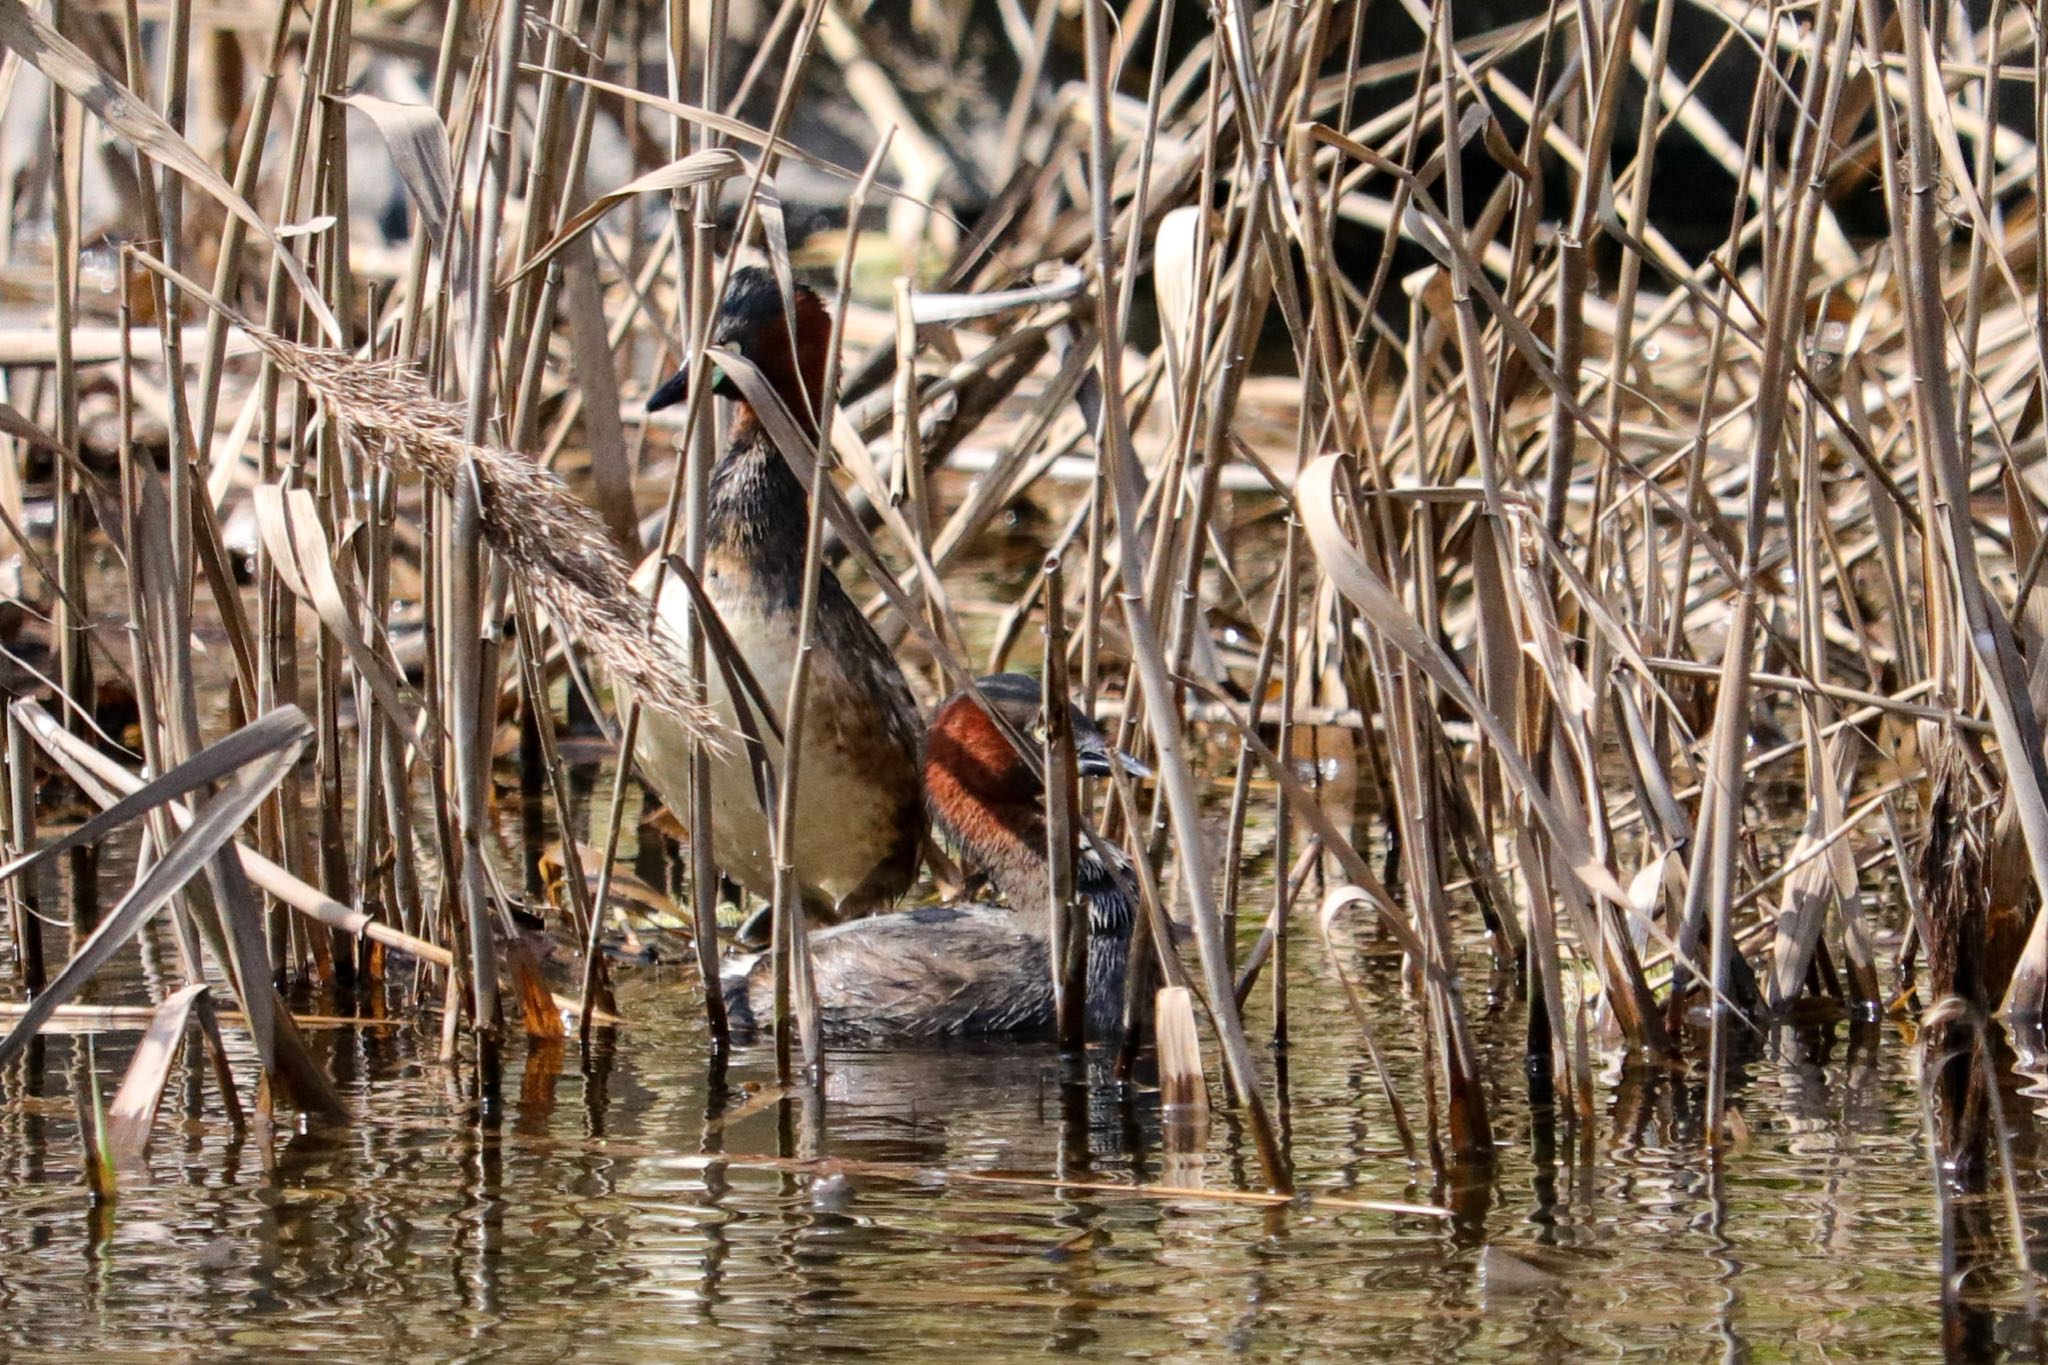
(966, 970)
(860, 817)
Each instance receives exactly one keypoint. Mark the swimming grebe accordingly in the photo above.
(860, 818)
(966, 970)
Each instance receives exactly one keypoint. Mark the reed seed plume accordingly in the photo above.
(529, 516)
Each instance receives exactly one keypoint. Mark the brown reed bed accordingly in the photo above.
(1391, 427)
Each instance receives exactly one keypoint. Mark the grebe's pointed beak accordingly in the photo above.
(674, 391)
(677, 389)
(1094, 758)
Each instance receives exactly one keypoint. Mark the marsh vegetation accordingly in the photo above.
(1550, 494)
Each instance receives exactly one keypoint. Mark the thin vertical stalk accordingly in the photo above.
(1283, 816)
(1067, 945)
(793, 986)
(1155, 684)
(70, 619)
(467, 712)
(26, 924)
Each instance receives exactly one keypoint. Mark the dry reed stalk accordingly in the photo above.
(25, 923)
(145, 536)
(1114, 445)
(792, 951)
(71, 618)
(1067, 944)
(1240, 792)
(465, 632)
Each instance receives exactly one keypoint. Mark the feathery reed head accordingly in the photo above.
(529, 516)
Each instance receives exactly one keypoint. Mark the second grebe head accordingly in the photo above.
(753, 322)
(979, 762)
(983, 793)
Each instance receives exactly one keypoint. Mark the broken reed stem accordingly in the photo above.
(1183, 1092)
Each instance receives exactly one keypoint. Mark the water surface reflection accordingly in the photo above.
(625, 1204)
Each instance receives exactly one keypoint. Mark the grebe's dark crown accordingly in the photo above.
(752, 302)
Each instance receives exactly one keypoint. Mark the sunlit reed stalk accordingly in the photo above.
(464, 642)
(1287, 595)
(1114, 444)
(695, 270)
(25, 934)
(796, 999)
(281, 458)
(69, 619)
(1067, 943)
(335, 485)
(1270, 646)
(144, 534)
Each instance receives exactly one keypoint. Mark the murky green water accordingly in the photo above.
(620, 1207)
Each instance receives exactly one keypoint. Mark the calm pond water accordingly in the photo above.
(622, 1207)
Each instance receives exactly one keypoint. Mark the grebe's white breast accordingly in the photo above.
(856, 782)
